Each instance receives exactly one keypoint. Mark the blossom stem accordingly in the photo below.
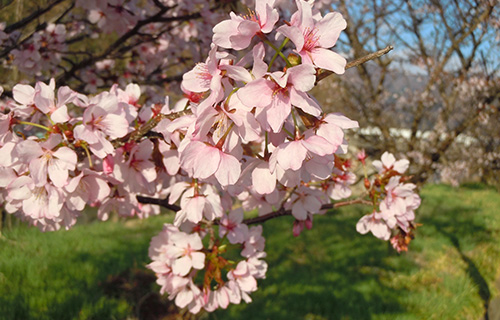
(278, 51)
(289, 133)
(34, 125)
(297, 131)
(283, 44)
(266, 150)
(226, 103)
(223, 138)
(84, 146)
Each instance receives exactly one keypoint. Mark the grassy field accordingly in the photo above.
(96, 271)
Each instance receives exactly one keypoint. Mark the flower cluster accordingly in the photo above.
(395, 202)
(247, 136)
(177, 256)
(42, 51)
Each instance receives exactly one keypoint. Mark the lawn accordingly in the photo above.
(96, 271)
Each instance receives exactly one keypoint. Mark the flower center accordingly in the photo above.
(311, 39)
(252, 16)
(203, 75)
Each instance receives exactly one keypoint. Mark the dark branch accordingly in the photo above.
(260, 219)
(161, 202)
(283, 212)
(31, 17)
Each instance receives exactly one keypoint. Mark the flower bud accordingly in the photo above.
(367, 183)
(294, 59)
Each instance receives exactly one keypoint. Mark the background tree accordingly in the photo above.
(435, 98)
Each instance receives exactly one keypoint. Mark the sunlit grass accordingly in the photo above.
(329, 272)
(58, 275)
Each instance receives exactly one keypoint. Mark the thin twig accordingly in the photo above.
(357, 62)
(282, 212)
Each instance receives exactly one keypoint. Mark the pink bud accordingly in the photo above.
(298, 226)
(362, 156)
(309, 223)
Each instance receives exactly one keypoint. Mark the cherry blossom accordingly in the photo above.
(312, 37)
(246, 135)
(237, 33)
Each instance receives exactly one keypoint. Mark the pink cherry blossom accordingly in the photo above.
(137, 172)
(46, 159)
(388, 162)
(312, 38)
(243, 278)
(237, 33)
(275, 95)
(185, 252)
(373, 223)
(203, 161)
(231, 225)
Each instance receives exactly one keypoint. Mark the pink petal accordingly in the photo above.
(329, 29)
(115, 126)
(319, 145)
(302, 77)
(257, 93)
(237, 73)
(198, 79)
(263, 181)
(341, 121)
(298, 211)
(229, 170)
(247, 284)
(303, 101)
(194, 209)
(259, 68)
(278, 112)
(246, 30)
(44, 97)
(223, 30)
(207, 163)
(58, 173)
(362, 225)
(292, 155)
(60, 115)
(182, 266)
(198, 260)
(66, 155)
(183, 298)
(38, 171)
(23, 94)
(328, 60)
(294, 34)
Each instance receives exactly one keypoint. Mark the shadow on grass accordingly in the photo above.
(75, 281)
(462, 226)
(329, 272)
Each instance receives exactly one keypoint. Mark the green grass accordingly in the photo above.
(62, 275)
(329, 272)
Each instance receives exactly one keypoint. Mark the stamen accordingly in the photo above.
(202, 74)
(252, 16)
(311, 38)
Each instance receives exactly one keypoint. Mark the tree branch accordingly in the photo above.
(31, 17)
(260, 219)
(357, 62)
(283, 212)
(161, 202)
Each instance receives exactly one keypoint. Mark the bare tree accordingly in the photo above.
(432, 96)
